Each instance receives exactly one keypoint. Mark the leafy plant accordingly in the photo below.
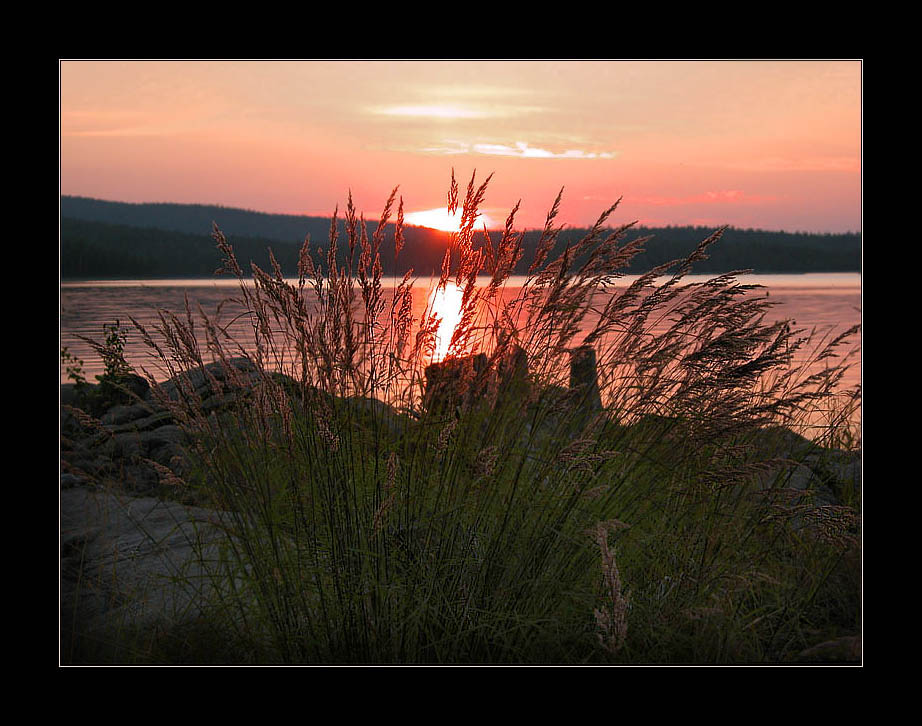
(112, 352)
(117, 383)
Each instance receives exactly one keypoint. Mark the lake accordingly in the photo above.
(829, 302)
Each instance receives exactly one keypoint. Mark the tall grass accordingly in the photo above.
(500, 507)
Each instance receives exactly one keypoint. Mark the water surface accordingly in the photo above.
(827, 302)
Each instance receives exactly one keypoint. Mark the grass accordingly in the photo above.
(503, 516)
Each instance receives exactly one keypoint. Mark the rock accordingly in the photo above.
(455, 381)
(137, 386)
(845, 649)
(371, 413)
(100, 398)
(145, 423)
(125, 436)
(127, 457)
(829, 475)
(199, 379)
(129, 565)
(69, 480)
(559, 411)
(513, 366)
(163, 435)
(513, 382)
(584, 382)
(139, 477)
(120, 414)
(122, 390)
(122, 446)
(71, 393)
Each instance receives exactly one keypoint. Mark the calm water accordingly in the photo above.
(827, 302)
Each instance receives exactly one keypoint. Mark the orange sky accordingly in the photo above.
(767, 144)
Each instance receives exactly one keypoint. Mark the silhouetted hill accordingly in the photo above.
(198, 219)
(115, 239)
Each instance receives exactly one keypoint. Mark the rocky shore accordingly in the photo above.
(130, 551)
(131, 437)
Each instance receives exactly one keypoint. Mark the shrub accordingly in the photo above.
(112, 352)
(118, 384)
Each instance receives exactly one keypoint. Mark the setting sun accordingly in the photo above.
(439, 218)
(446, 304)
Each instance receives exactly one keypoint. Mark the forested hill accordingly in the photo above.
(115, 239)
(198, 219)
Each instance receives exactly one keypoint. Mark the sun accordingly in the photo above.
(445, 303)
(439, 218)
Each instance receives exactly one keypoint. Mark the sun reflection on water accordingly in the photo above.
(446, 304)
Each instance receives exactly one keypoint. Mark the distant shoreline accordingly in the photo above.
(110, 240)
(225, 280)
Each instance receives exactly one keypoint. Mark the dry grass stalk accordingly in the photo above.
(166, 475)
(86, 421)
(390, 492)
(611, 618)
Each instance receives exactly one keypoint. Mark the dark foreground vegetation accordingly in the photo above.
(505, 506)
(111, 239)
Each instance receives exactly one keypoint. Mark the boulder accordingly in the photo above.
(370, 413)
(840, 650)
(131, 567)
(455, 381)
(107, 438)
(199, 380)
(584, 382)
(121, 414)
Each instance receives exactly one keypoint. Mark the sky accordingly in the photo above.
(763, 144)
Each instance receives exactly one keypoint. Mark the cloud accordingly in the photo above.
(521, 149)
(436, 111)
(446, 147)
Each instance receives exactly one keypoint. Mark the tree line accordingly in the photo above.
(111, 239)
